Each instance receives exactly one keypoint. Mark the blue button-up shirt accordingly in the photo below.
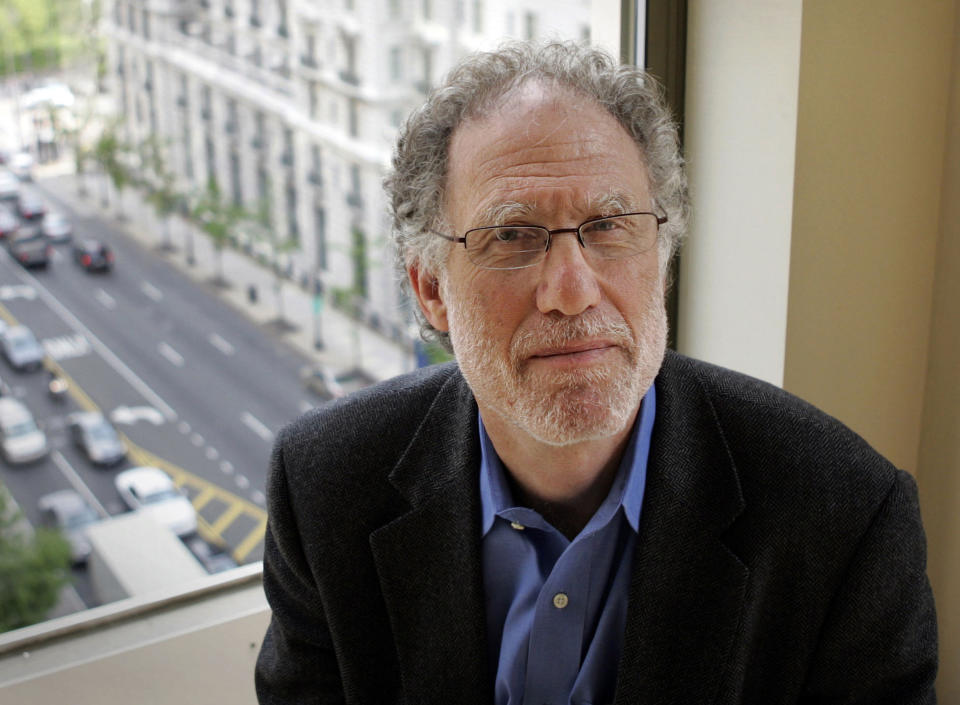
(556, 609)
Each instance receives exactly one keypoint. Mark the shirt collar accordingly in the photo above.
(627, 490)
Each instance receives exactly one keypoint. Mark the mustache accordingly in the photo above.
(558, 330)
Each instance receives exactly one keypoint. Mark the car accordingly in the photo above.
(330, 385)
(56, 227)
(21, 164)
(9, 186)
(93, 255)
(69, 513)
(20, 347)
(30, 207)
(9, 223)
(150, 491)
(30, 248)
(97, 438)
(213, 558)
(21, 439)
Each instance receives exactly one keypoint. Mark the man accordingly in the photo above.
(569, 514)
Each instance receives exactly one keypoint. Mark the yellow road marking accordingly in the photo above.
(253, 538)
(202, 499)
(226, 519)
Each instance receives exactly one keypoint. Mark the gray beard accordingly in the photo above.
(568, 407)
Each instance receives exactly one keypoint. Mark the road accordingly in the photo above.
(196, 388)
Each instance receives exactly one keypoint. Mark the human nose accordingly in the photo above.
(567, 283)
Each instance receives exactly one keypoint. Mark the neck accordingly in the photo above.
(565, 484)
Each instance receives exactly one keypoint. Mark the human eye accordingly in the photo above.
(613, 226)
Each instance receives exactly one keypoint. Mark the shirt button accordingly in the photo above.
(517, 525)
(560, 600)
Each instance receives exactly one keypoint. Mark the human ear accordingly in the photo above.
(426, 287)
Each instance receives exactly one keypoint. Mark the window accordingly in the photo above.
(478, 16)
(529, 25)
(396, 66)
(320, 233)
(353, 124)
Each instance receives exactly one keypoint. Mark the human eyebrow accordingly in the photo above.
(611, 203)
(501, 213)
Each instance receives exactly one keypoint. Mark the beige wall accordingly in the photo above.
(870, 138)
(862, 313)
(939, 465)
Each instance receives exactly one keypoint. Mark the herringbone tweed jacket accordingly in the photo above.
(780, 559)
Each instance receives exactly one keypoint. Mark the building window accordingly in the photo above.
(313, 95)
(236, 185)
(478, 16)
(353, 121)
(320, 233)
(293, 230)
(358, 253)
(427, 9)
(282, 28)
(396, 65)
(316, 166)
(529, 26)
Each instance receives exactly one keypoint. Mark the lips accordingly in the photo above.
(572, 349)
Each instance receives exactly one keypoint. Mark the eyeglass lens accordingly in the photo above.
(514, 246)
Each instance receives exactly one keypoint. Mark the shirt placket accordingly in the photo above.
(556, 638)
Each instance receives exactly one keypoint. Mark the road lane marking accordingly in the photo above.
(196, 439)
(183, 427)
(106, 300)
(172, 356)
(257, 426)
(242, 482)
(259, 498)
(17, 291)
(226, 519)
(115, 362)
(212, 453)
(78, 484)
(151, 292)
(64, 347)
(202, 499)
(226, 467)
(244, 548)
(221, 344)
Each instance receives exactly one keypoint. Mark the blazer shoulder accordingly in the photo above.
(773, 428)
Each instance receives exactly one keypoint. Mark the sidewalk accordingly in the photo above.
(253, 287)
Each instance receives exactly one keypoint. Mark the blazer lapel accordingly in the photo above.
(687, 589)
(428, 559)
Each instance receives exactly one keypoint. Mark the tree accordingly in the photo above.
(161, 191)
(34, 566)
(108, 153)
(217, 218)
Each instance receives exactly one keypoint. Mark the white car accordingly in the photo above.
(56, 227)
(21, 164)
(21, 440)
(150, 491)
(21, 348)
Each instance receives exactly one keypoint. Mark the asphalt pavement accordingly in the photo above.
(252, 287)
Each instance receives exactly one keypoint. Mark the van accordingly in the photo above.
(21, 440)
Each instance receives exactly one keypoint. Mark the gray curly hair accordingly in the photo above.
(416, 185)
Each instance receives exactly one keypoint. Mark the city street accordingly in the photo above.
(196, 388)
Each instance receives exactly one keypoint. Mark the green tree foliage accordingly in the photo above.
(33, 569)
(36, 35)
(217, 218)
(109, 153)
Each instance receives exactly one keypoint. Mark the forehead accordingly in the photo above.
(549, 152)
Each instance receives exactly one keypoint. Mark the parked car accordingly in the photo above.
(68, 512)
(21, 440)
(9, 223)
(212, 558)
(93, 255)
(9, 186)
(97, 438)
(56, 227)
(20, 347)
(30, 207)
(151, 491)
(30, 248)
(21, 164)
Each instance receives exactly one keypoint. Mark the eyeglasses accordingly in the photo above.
(519, 246)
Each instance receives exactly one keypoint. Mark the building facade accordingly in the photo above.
(292, 108)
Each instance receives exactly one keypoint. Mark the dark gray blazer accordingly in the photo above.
(780, 558)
